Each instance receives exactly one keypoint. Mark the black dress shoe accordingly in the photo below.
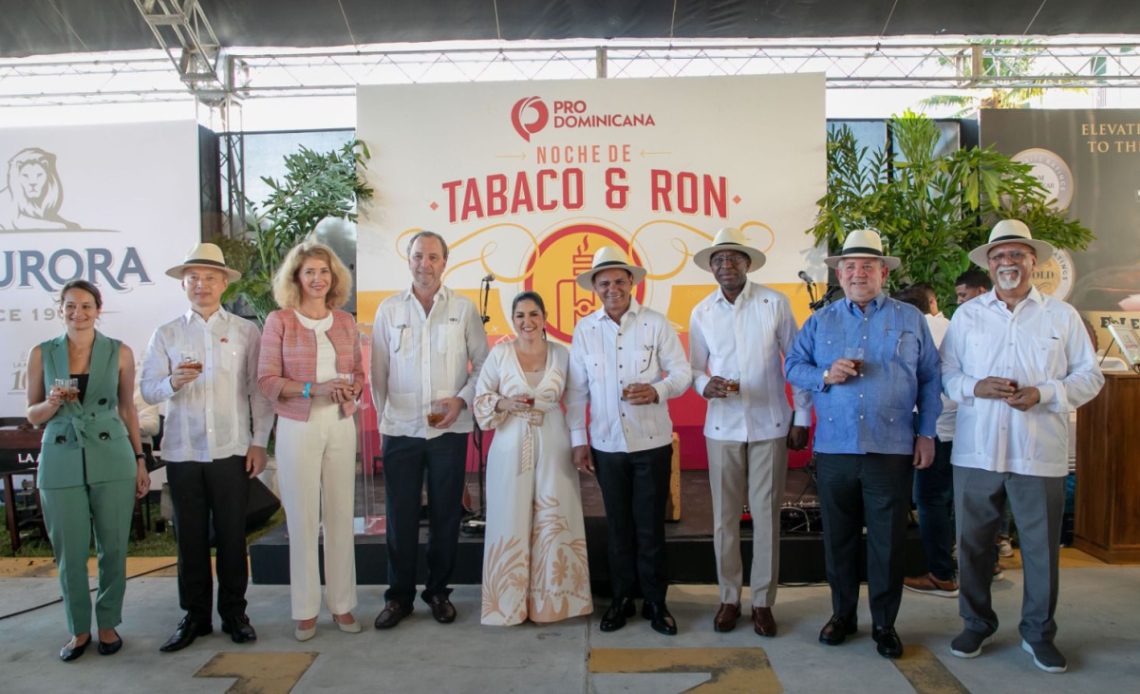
(239, 629)
(392, 613)
(69, 653)
(110, 647)
(659, 617)
(837, 630)
(441, 609)
(887, 642)
(188, 630)
(620, 610)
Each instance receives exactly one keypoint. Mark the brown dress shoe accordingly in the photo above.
(726, 616)
(442, 609)
(762, 621)
(393, 612)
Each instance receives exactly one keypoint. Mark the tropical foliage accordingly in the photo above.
(931, 209)
(316, 185)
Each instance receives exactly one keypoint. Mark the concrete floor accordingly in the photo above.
(1099, 620)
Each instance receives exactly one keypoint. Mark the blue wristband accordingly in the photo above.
(305, 393)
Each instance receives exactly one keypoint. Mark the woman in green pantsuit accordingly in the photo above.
(91, 468)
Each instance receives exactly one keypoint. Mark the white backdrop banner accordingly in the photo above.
(526, 180)
(113, 204)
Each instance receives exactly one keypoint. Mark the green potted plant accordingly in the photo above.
(932, 209)
(316, 185)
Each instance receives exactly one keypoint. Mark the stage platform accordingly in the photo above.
(689, 541)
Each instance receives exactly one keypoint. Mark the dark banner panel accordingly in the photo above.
(1090, 161)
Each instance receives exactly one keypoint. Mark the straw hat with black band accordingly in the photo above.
(1011, 231)
(730, 239)
(608, 258)
(863, 243)
(204, 255)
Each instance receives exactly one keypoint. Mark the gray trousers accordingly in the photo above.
(758, 468)
(1037, 504)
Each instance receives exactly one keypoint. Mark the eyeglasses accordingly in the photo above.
(1012, 256)
(727, 259)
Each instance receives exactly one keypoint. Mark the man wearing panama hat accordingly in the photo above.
(1017, 362)
(737, 338)
(869, 362)
(203, 365)
(626, 361)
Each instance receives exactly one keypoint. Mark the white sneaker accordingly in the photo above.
(1005, 549)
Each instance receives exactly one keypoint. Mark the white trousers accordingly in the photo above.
(760, 467)
(316, 468)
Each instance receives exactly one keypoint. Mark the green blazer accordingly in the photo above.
(93, 427)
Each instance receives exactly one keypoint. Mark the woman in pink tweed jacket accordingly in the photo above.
(310, 368)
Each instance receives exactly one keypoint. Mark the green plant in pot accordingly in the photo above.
(316, 185)
(931, 208)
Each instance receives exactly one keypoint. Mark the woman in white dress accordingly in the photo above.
(534, 557)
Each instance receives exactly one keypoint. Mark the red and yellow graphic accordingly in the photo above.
(560, 258)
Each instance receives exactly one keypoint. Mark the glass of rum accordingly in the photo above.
(67, 389)
(855, 356)
(436, 413)
(190, 359)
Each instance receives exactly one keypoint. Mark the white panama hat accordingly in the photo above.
(1011, 231)
(607, 258)
(204, 255)
(730, 239)
(863, 243)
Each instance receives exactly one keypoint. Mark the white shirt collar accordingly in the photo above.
(991, 298)
(191, 315)
(634, 309)
(744, 295)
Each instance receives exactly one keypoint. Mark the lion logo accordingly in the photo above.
(34, 195)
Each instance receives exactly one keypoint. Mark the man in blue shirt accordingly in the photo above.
(869, 361)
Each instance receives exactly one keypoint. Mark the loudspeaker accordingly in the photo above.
(261, 505)
(259, 509)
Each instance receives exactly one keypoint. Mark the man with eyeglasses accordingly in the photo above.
(737, 338)
(1017, 362)
(203, 365)
(626, 361)
(869, 361)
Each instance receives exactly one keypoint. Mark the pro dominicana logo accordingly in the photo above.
(533, 108)
(530, 115)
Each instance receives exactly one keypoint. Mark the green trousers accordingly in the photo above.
(70, 513)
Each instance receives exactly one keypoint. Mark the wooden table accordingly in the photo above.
(19, 455)
(1107, 523)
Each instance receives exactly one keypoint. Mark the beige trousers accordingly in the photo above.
(760, 467)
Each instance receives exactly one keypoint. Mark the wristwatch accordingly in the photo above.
(825, 372)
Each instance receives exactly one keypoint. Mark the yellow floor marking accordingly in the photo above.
(30, 567)
(259, 673)
(44, 567)
(731, 670)
(926, 673)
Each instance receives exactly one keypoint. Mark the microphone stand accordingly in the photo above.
(824, 300)
(477, 523)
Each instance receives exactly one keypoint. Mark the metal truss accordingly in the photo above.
(136, 77)
(184, 33)
(232, 150)
(1043, 62)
